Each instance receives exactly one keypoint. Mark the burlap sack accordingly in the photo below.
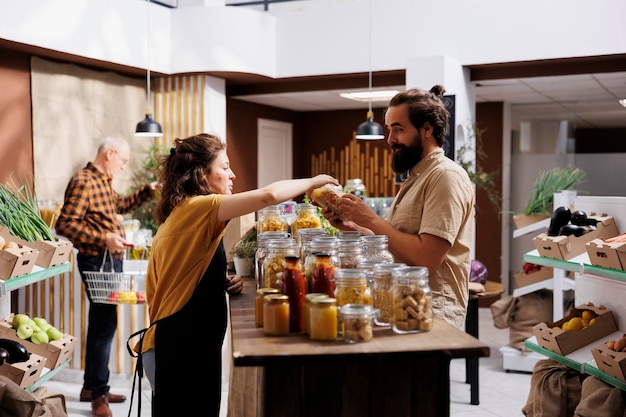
(17, 402)
(598, 399)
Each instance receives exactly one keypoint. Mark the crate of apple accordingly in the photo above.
(127, 297)
(36, 329)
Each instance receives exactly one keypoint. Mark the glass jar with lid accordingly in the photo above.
(306, 218)
(357, 322)
(258, 304)
(306, 311)
(323, 319)
(355, 186)
(351, 287)
(351, 252)
(377, 247)
(411, 300)
(320, 263)
(274, 262)
(276, 315)
(263, 240)
(272, 219)
(305, 236)
(381, 280)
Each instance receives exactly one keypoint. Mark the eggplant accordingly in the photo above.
(571, 229)
(17, 351)
(4, 356)
(560, 217)
(579, 218)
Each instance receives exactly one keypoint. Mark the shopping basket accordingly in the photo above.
(115, 287)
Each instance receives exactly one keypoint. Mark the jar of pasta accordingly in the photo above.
(274, 262)
(323, 318)
(276, 315)
(258, 304)
(357, 322)
(411, 300)
(263, 240)
(351, 287)
(306, 218)
(381, 288)
(272, 219)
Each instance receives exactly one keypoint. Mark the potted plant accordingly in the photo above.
(540, 202)
(243, 253)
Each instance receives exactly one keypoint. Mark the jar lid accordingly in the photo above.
(275, 298)
(265, 291)
(323, 300)
(369, 264)
(359, 310)
(350, 274)
(410, 273)
(313, 295)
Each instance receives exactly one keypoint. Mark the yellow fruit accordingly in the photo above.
(592, 321)
(565, 326)
(127, 297)
(575, 324)
(587, 315)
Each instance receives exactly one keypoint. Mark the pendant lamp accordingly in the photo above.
(148, 127)
(370, 130)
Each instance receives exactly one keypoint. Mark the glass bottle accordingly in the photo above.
(377, 248)
(324, 250)
(272, 219)
(357, 322)
(323, 321)
(351, 287)
(306, 218)
(351, 252)
(411, 300)
(276, 315)
(263, 241)
(381, 290)
(306, 311)
(355, 186)
(293, 286)
(274, 262)
(258, 304)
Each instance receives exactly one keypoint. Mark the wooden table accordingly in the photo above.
(392, 375)
(492, 289)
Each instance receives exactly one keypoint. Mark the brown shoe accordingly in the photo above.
(100, 407)
(85, 396)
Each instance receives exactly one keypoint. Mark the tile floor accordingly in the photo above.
(502, 393)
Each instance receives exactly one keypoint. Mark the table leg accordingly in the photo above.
(471, 364)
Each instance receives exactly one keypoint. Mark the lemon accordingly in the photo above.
(575, 324)
(587, 315)
(565, 326)
(592, 321)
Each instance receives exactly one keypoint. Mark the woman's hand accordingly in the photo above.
(234, 284)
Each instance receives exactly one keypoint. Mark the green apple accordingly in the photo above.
(54, 333)
(42, 323)
(32, 324)
(24, 331)
(20, 319)
(39, 337)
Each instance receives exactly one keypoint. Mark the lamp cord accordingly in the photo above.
(370, 54)
(148, 66)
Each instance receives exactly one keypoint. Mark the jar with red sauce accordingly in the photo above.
(292, 285)
(323, 274)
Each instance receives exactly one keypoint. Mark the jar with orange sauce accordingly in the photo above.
(276, 315)
(258, 304)
(324, 323)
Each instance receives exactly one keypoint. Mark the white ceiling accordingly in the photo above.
(588, 100)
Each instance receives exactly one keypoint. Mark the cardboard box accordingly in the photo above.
(25, 373)
(49, 253)
(610, 361)
(17, 262)
(605, 254)
(567, 247)
(56, 352)
(522, 279)
(565, 342)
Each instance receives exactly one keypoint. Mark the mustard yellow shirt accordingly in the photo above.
(181, 252)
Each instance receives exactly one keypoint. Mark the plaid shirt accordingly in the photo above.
(90, 210)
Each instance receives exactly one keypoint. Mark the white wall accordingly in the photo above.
(317, 36)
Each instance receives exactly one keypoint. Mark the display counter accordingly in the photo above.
(391, 375)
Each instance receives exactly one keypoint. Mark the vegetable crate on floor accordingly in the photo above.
(115, 287)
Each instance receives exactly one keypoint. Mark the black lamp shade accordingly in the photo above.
(149, 128)
(370, 130)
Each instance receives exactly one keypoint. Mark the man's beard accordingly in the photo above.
(406, 157)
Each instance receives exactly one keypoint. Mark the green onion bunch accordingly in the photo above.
(549, 182)
(20, 214)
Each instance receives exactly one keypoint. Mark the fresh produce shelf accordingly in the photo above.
(38, 274)
(48, 373)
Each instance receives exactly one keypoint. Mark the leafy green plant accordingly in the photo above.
(19, 212)
(332, 230)
(148, 174)
(548, 183)
(474, 166)
(246, 246)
